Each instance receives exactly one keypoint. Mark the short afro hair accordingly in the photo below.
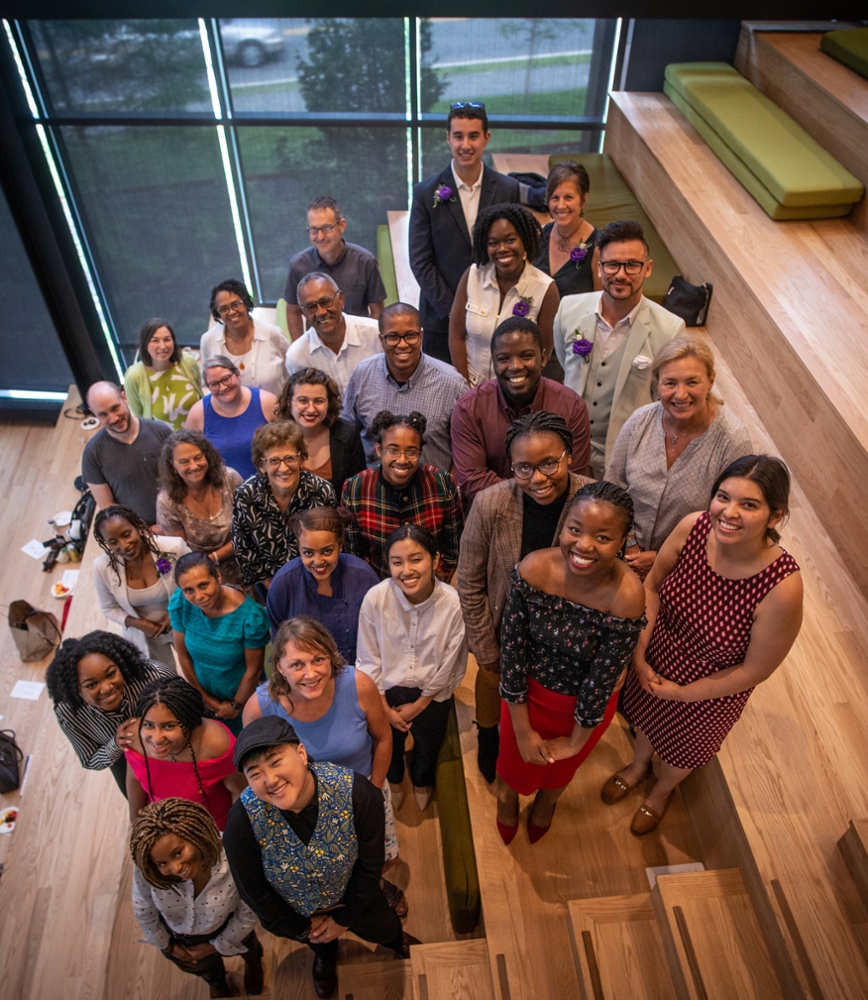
(525, 224)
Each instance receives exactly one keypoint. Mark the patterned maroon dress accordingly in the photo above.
(703, 626)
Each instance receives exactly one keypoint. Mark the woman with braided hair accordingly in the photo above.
(402, 491)
(500, 282)
(178, 753)
(134, 581)
(185, 899)
(570, 626)
(95, 682)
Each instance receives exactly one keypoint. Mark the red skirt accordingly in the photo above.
(551, 715)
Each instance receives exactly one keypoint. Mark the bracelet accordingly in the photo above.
(215, 557)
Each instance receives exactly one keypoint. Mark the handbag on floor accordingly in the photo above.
(36, 633)
(10, 761)
(690, 302)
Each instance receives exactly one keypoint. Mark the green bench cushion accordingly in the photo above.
(739, 170)
(387, 264)
(456, 833)
(611, 200)
(849, 46)
(787, 162)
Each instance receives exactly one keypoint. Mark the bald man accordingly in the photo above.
(119, 463)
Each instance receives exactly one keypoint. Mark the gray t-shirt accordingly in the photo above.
(129, 470)
(355, 272)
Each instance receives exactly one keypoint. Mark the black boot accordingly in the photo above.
(325, 971)
(489, 746)
(254, 977)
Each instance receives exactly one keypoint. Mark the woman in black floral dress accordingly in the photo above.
(569, 629)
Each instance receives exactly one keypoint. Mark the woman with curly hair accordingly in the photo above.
(177, 752)
(334, 447)
(185, 899)
(402, 491)
(195, 499)
(134, 579)
(500, 282)
(95, 682)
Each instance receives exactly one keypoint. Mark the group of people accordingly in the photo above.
(538, 434)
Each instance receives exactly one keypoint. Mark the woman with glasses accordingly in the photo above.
(505, 523)
(265, 503)
(334, 448)
(231, 413)
(402, 491)
(165, 382)
(500, 282)
(258, 349)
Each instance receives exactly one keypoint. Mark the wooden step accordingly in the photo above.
(854, 849)
(618, 950)
(452, 970)
(712, 938)
(390, 980)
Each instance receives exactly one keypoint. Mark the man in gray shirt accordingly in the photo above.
(120, 462)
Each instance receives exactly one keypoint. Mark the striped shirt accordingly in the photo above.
(91, 731)
(430, 500)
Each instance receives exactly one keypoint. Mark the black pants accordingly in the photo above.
(119, 773)
(211, 968)
(428, 729)
(376, 922)
(435, 341)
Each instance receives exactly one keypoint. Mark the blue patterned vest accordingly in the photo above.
(309, 877)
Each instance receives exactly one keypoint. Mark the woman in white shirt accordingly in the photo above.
(184, 897)
(411, 642)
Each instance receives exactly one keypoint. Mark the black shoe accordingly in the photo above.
(325, 974)
(489, 747)
(254, 977)
(408, 940)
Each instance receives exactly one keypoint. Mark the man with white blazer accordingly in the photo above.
(606, 341)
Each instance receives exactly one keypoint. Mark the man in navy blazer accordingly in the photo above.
(445, 207)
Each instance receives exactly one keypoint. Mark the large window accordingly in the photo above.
(190, 149)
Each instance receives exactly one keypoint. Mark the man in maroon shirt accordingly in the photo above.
(482, 416)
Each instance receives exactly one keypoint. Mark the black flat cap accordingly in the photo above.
(269, 731)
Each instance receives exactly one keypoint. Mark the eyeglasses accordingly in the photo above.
(326, 302)
(393, 339)
(630, 266)
(231, 307)
(461, 105)
(222, 383)
(548, 467)
(393, 451)
(314, 231)
(290, 461)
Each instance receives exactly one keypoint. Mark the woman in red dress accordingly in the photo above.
(724, 606)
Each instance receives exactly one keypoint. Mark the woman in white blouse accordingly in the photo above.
(501, 282)
(411, 642)
(184, 897)
(669, 454)
(258, 349)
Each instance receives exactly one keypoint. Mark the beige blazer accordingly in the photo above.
(652, 329)
(490, 548)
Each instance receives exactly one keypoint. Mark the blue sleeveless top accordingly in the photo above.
(341, 736)
(313, 876)
(231, 436)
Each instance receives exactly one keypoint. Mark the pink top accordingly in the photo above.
(170, 779)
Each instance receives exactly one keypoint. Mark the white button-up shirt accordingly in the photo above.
(361, 340)
(609, 337)
(469, 195)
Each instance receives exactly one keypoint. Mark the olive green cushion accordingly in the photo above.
(387, 264)
(849, 46)
(611, 200)
(456, 834)
(794, 169)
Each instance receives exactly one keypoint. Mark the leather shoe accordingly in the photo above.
(254, 978)
(325, 974)
(647, 820)
(397, 792)
(488, 747)
(507, 833)
(409, 940)
(422, 795)
(534, 832)
(617, 789)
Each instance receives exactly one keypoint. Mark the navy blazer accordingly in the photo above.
(440, 247)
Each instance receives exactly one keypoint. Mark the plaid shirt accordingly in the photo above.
(430, 500)
(263, 541)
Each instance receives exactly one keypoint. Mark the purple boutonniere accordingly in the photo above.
(164, 564)
(443, 193)
(522, 307)
(578, 253)
(582, 347)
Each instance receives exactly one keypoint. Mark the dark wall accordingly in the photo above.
(656, 43)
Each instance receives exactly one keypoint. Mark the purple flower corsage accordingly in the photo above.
(164, 564)
(522, 307)
(443, 193)
(583, 347)
(578, 253)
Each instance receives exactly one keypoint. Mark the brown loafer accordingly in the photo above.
(617, 789)
(647, 820)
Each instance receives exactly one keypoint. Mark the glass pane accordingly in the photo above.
(286, 168)
(315, 64)
(157, 216)
(32, 355)
(154, 65)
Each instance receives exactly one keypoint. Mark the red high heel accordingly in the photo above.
(534, 832)
(507, 833)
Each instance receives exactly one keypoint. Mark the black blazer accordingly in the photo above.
(440, 246)
(347, 451)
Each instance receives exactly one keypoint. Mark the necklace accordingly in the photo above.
(183, 748)
(207, 510)
(565, 243)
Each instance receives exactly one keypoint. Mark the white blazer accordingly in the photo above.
(112, 595)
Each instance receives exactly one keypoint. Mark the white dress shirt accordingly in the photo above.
(412, 645)
(609, 338)
(469, 195)
(361, 340)
(263, 365)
